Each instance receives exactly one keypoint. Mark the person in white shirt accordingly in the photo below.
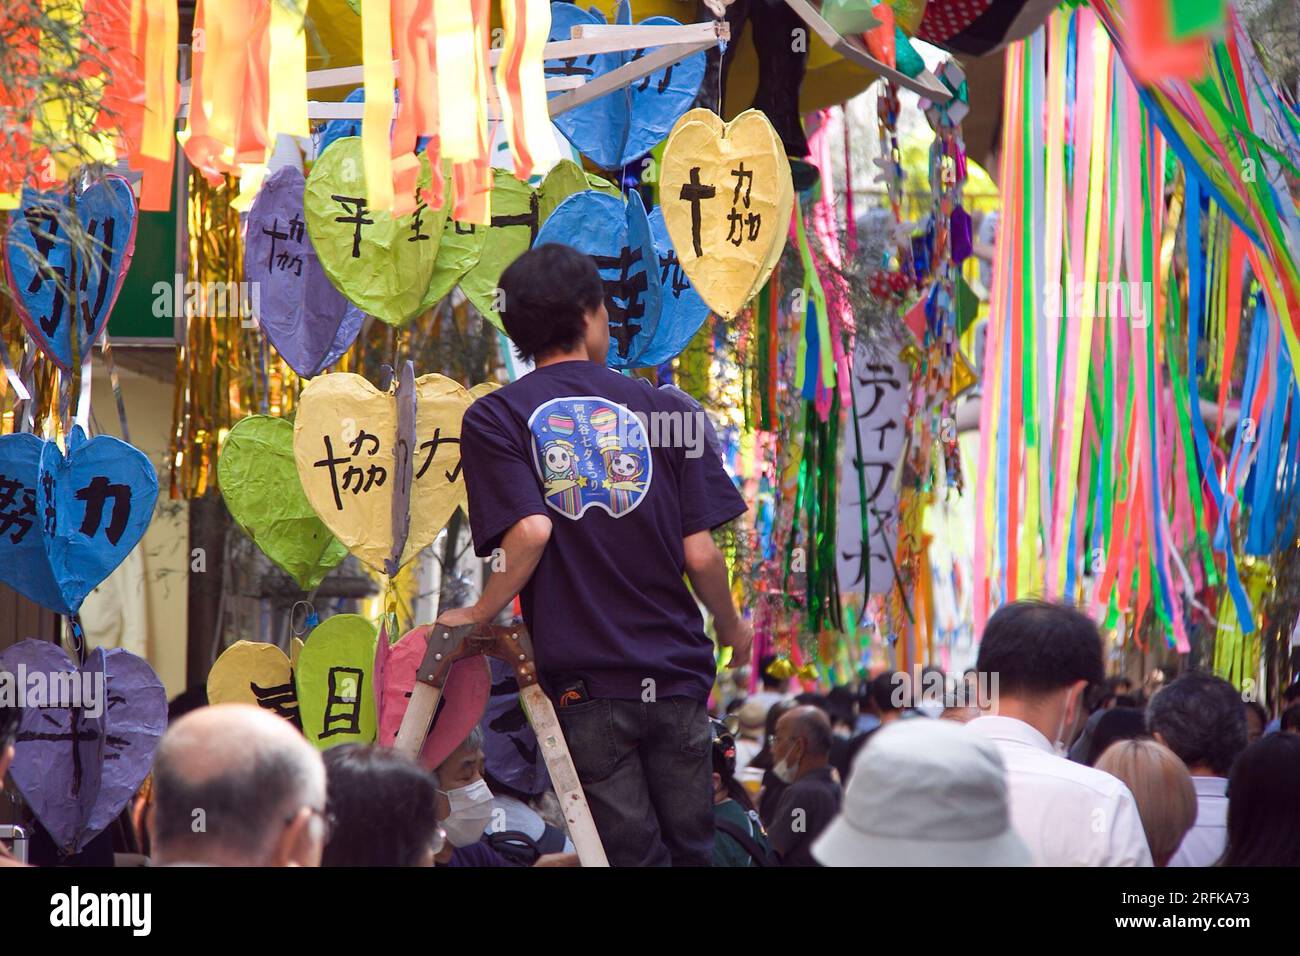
(1202, 719)
(1040, 658)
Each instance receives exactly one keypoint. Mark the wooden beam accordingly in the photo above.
(924, 84)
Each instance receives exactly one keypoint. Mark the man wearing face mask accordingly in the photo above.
(1043, 657)
(801, 750)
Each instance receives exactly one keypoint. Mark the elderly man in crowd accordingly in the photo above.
(235, 785)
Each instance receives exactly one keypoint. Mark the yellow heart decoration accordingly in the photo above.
(246, 668)
(727, 199)
(343, 441)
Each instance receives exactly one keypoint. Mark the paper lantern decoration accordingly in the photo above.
(346, 436)
(464, 696)
(79, 758)
(727, 200)
(381, 263)
(251, 672)
(67, 522)
(296, 304)
(40, 264)
(617, 236)
(334, 678)
(258, 477)
(614, 129)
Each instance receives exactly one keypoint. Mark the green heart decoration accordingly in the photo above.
(258, 476)
(334, 678)
(474, 257)
(382, 263)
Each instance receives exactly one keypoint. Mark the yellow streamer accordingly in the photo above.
(377, 118)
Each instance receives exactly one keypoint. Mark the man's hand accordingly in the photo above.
(739, 636)
(456, 616)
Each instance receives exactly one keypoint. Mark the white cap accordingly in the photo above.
(924, 793)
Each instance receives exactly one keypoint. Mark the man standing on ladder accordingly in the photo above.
(594, 493)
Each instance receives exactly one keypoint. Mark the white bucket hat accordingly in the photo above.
(924, 793)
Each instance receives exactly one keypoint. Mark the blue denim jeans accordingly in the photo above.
(647, 773)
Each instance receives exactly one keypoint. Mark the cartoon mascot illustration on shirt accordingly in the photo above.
(560, 475)
(590, 452)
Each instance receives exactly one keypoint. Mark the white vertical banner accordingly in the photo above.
(880, 389)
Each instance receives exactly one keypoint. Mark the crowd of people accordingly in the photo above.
(1061, 767)
(605, 539)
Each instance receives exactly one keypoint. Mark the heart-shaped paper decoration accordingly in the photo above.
(381, 263)
(296, 304)
(617, 236)
(683, 311)
(37, 250)
(251, 672)
(334, 678)
(614, 129)
(66, 523)
(344, 438)
(464, 696)
(259, 480)
(79, 758)
(727, 200)
(475, 256)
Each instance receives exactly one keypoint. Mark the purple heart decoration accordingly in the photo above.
(309, 322)
(87, 735)
(42, 269)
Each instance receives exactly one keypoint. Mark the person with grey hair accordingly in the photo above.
(464, 809)
(1200, 718)
(234, 785)
(801, 749)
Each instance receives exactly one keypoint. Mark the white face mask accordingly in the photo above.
(784, 771)
(471, 812)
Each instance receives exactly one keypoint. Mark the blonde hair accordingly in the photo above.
(1162, 787)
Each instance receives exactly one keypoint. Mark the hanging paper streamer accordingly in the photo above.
(521, 85)
(624, 125)
(346, 440)
(67, 521)
(296, 305)
(727, 199)
(258, 477)
(77, 762)
(380, 263)
(59, 296)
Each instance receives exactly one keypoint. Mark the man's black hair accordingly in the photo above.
(1292, 694)
(1263, 827)
(1038, 647)
(881, 691)
(546, 294)
(1291, 718)
(769, 682)
(383, 807)
(1200, 718)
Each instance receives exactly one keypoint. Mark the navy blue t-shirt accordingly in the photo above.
(625, 472)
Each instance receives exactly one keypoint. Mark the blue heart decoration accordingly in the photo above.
(625, 124)
(617, 236)
(683, 309)
(303, 315)
(37, 251)
(67, 522)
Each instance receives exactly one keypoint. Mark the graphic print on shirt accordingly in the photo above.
(590, 452)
